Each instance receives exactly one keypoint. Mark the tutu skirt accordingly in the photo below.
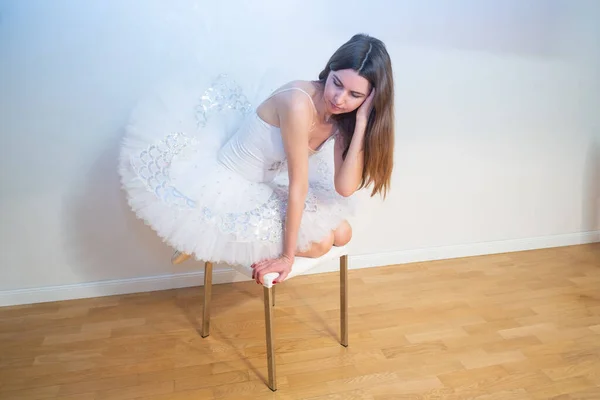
(174, 182)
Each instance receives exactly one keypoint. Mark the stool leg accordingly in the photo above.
(273, 294)
(344, 300)
(268, 293)
(208, 267)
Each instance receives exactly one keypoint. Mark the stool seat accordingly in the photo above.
(301, 265)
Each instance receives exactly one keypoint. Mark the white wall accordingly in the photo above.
(498, 129)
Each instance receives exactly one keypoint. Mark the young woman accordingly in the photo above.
(212, 184)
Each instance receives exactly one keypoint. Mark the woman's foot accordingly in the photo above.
(179, 257)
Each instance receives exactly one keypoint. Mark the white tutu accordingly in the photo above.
(174, 181)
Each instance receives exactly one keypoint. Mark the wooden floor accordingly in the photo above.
(511, 326)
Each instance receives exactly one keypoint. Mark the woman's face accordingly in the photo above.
(345, 90)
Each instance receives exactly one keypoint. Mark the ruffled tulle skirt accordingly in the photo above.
(174, 182)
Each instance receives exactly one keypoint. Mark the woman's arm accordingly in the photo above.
(295, 118)
(348, 171)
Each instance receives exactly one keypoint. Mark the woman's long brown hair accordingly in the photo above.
(369, 58)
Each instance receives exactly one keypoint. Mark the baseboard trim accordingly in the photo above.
(226, 275)
(474, 249)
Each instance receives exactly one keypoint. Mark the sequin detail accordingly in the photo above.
(276, 166)
(223, 93)
(152, 167)
(264, 222)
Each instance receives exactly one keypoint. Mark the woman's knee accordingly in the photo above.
(342, 234)
(321, 248)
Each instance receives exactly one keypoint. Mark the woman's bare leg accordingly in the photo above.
(318, 249)
(340, 237)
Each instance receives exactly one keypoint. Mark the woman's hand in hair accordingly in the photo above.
(363, 112)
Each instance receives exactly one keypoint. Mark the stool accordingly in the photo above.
(300, 266)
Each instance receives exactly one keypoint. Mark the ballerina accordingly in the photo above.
(204, 169)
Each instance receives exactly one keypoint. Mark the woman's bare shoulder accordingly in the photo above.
(287, 96)
(306, 86)
(286, 100)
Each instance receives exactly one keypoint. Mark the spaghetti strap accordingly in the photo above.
(297, 88)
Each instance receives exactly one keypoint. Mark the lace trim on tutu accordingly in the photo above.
(223, 93)
(152, 167)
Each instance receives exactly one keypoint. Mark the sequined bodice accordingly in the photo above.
(255, 151)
